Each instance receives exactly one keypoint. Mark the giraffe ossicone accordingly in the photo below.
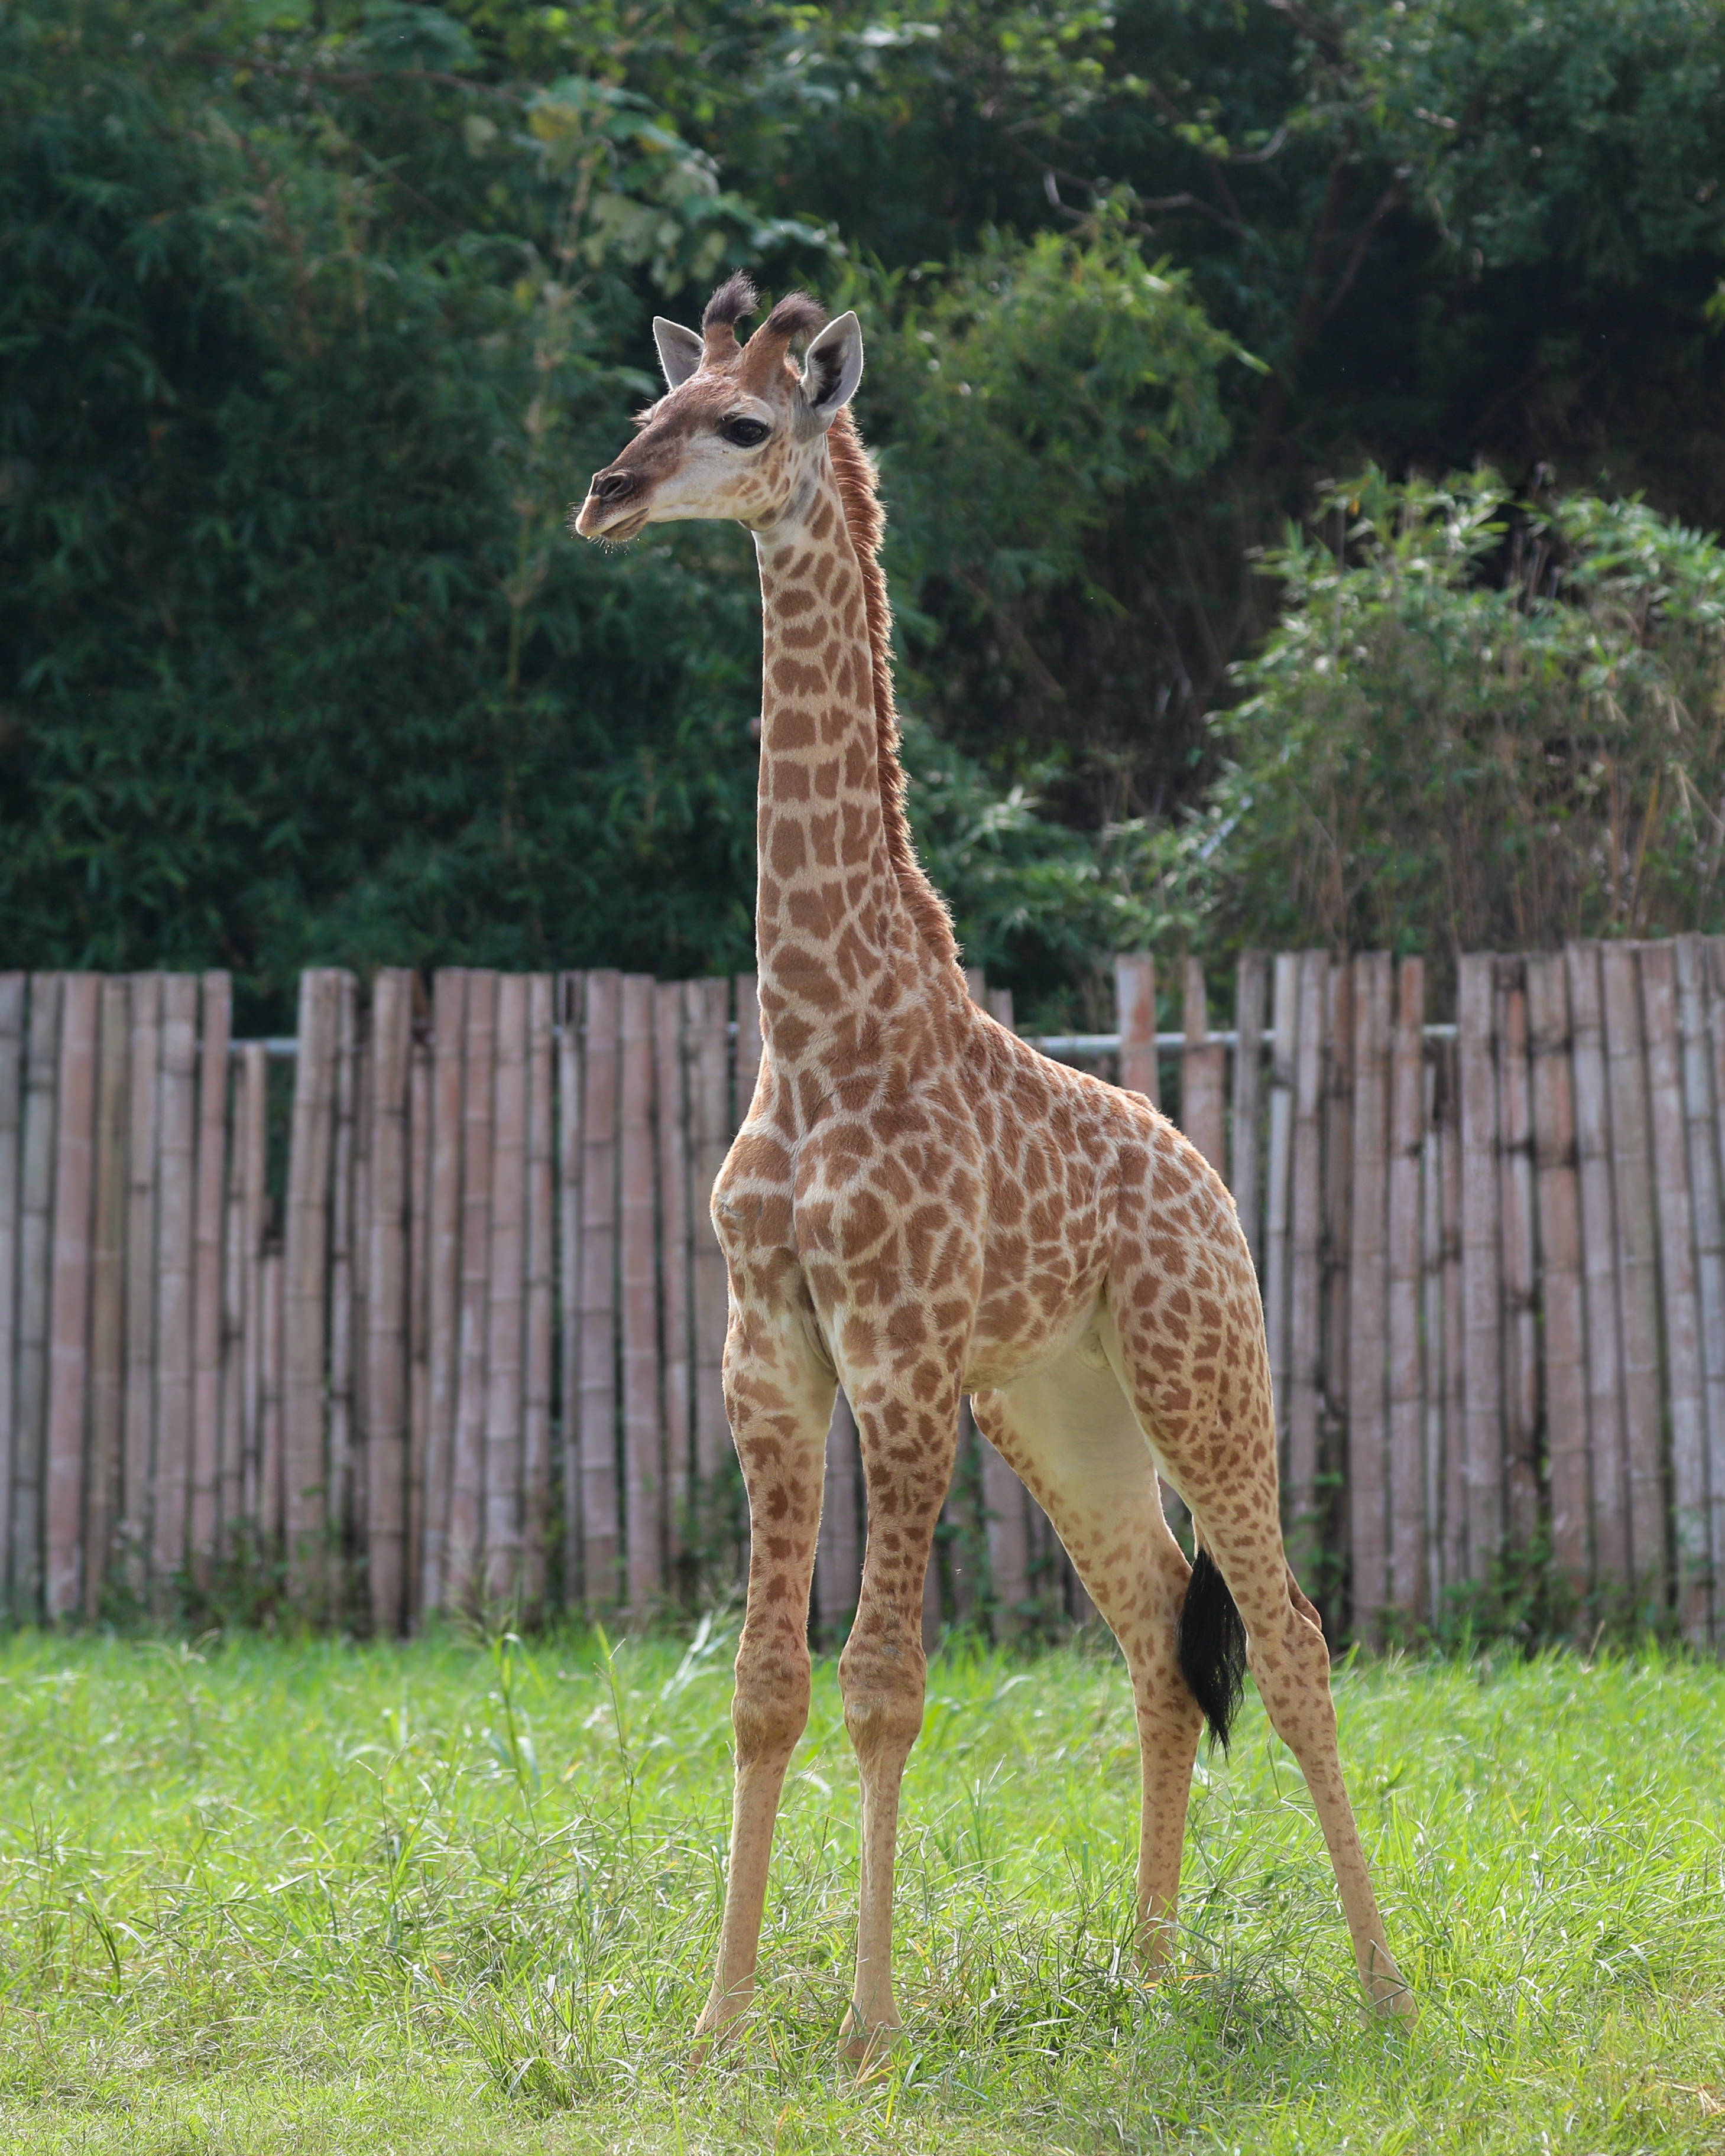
(919, 1205)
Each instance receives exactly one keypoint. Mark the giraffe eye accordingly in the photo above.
(745, 433)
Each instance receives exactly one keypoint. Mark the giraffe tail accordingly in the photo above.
(1212, 1646)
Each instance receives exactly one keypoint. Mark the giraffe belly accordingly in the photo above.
(999, 1356)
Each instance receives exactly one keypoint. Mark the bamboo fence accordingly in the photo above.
(422, 1310)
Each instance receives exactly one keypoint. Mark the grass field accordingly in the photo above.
(452, 1896)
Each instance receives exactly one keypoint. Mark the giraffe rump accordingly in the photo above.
(1212, 1646)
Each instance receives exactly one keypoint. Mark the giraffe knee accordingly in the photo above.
(769, 1709)
(883, 1694)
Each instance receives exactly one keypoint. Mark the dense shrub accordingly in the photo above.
(1474, 726)
(314, 315)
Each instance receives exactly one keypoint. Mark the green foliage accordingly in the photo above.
(314, 314)
(303, 663)
(1029, 391)
(455, 1897)
(1471, 729)
(1580, 140)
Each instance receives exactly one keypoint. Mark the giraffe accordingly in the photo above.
(919, 1205)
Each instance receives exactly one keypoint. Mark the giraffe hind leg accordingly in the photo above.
(1215, 1438)
(1069, 1432)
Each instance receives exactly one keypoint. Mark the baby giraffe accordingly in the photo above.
(919, 1206)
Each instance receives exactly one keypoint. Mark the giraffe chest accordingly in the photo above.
(912, 1218)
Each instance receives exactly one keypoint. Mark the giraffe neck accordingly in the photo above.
(842, 957)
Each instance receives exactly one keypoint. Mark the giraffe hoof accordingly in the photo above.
(865, 2046)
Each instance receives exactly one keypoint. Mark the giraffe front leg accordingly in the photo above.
(908, 1454)
(779, 1395)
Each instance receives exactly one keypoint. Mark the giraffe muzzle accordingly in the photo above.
(613, 508)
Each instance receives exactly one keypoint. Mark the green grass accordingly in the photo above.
(446, 1898)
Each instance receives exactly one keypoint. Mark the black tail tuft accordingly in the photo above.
(1212, 1646)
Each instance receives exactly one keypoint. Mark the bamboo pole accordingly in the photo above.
(1368, 1310)
(1701, 1160)
(540, 1289)
(710, 1129)
(1608, 1474)
(1337, 1248)
(139, 1445)
(1713, 970)
(571, 996)
(346, 1333)
(600, 1536)
(1406, 1587)
(1679, 1301)
(1632, 1173)
(422, 1082)
(1454, 1456)
(962, 1517)
(1564, 1332)
(1483, 1434)
(13, 988)
(466, 1525)
(443, 1284)
(506, 1298)
(1135, 1007)
(272, 1469)
(354, 1573)
(1305, 1291)
(675, 1317)
(385, 1258)
(305, 1344)
(261, 1496)
(1520, 1287)
(838, 1555)
(107, 1313)
(1432, 1314)
(176, 1227)
(1701, 1126)
(1047, 1557)
(231, 1456)
(644, 1469)
(215, 1025)
(70, 1296)
(1250, 991)
(35, 1271)
(748, 1045)
(1278, 1194)
(1007, 1528)
(1204, 1074)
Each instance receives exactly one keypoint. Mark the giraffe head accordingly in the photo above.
(739, 433)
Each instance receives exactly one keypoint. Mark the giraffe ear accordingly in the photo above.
(832, 367)
(679, 349)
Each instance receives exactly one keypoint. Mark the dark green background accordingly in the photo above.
(313, 321)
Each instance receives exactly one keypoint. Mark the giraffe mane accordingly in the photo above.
(859, 488)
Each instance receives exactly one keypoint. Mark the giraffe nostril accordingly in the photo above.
(613, 487)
